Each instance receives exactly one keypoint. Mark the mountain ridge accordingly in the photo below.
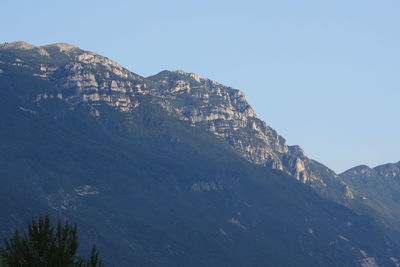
(94, 78)
(191, 78)
(386, 169)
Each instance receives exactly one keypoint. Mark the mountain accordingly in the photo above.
(169, 170)
(82, 76)
(379, 189)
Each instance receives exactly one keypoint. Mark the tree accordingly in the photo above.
(2, 263)
(45, 246)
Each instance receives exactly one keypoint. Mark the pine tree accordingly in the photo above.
(2, 263)
(45, 246)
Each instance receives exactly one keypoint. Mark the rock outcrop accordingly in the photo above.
(225, 112)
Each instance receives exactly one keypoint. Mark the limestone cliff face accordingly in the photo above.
(80, 77)
(225, 112)
(91, 78)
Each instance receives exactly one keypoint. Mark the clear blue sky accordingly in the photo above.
(325, 73)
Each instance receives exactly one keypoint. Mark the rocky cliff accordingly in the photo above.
(225, 112)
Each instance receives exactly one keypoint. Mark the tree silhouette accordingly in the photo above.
(2, 263)
(45, 246)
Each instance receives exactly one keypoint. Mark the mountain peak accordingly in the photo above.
(177, 74)
(27, 46)
(360, 169)
(17, 45)
(389, 170)
(61, 46)
(192, 75)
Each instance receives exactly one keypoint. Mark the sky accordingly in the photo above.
(324, 74)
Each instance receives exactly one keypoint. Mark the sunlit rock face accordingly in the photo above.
(225, 112)
(81, 76)
(92, 78)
